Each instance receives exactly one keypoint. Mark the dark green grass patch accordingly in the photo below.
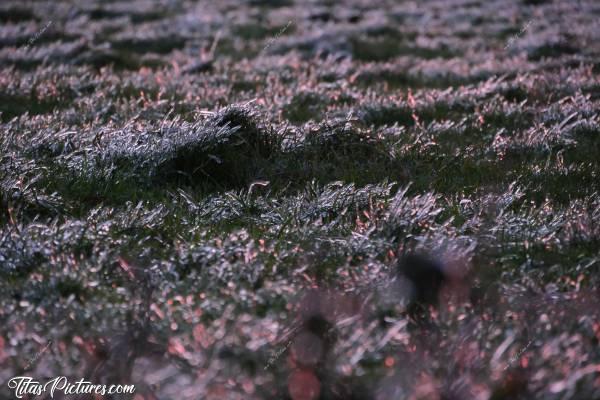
(386, 48)
(14, 105)
(160, 45)
(16, 14)
(305, 106)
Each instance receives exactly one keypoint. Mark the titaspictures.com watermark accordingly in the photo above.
(26, 385)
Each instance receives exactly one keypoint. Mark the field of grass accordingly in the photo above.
(208, 199)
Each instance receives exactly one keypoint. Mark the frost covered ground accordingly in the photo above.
(208, 199)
